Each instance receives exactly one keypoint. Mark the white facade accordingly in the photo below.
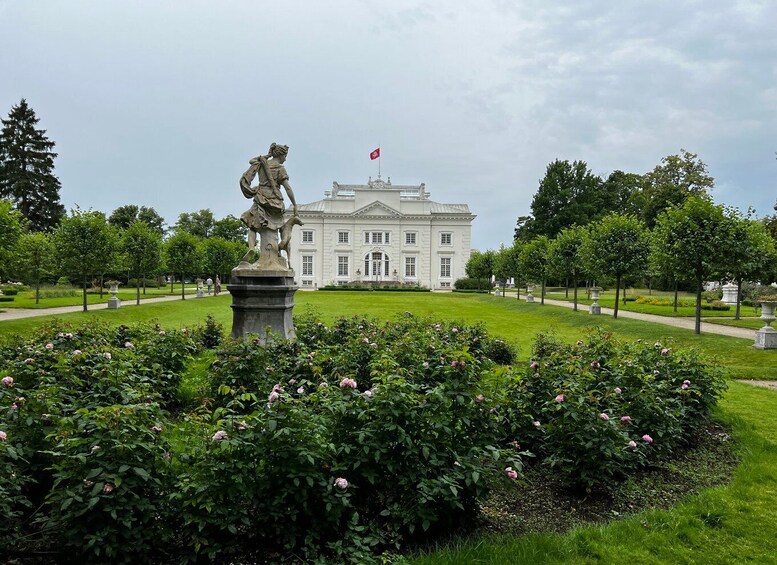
(381, 232)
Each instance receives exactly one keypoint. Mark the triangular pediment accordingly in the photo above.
(376, 209)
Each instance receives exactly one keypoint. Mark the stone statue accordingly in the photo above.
(265, 217)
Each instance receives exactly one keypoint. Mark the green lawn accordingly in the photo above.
(730, 524)
(26, 298)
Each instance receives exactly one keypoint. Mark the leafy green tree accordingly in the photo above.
(689, 240)
(620, 191)
(565, 256)
(84, 245)
(142, 247)
(35, 259)
(671, 183)
(183, 256)
(221, 256)
(198, 223)
(569, 194)
(771, 223)
(534, 261)
(230, 228)
(11, 229)
(750, 252)
(481, 266)
(617, 246)
(123, 216)
(507, 265)
(27, 169)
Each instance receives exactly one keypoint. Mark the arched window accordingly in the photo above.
(376, 265)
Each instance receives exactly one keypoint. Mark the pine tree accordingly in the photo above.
(27, 169)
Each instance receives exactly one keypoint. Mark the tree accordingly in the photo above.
(507, 265)
(35, 259)
(84, 245)
(771, 223)
(230, 228)
(221, 256)
(617, 246)
(123, 216)
(620, 192)
(689, 240)
(565, 256)
(27, 169)
(198, 223)
(533, 261)
(183, 256)
(480, 266)
(750, 252)
(11, 229)
(142, 246)
(568, 195)
(671, 183)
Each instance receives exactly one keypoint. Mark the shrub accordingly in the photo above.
(10, 291)
(472, 284)
(150, 282)
(211, 335)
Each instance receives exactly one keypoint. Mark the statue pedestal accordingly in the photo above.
(262, 302)
(113, 303)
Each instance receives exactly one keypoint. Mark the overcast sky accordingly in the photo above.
(163, 103)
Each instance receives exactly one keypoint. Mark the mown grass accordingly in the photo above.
(26, 298)
(512, 320)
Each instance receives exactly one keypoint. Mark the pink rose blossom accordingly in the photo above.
(366, 340)
(301, 390)
(368, 393)
(618, 390)
(625, 419)
(49, 346)
(595, 364)
(277, 387)
(579, 342)
(30, 359)
(534, 365)
(292, 381)
(108, 488)
(536, 423)
(76, 352)
(107, 355)
(511, 473)
(95, 448)
(8, 381)
(455, 330)
(480, 398)
(162, 333)
(426, 364)
(633, 444)
(3, 435)
(560, 398)
(686, 382)
(129, 345)
(242, 426)
(647, 438)
(219, 435)
(604, 416)
(665, 351)
(156, 429)
(684, 387)
(347, 383)
(373, 345)
(14, 406)
(341, 483)
(274, 396)
(322, 385)
(657, 344)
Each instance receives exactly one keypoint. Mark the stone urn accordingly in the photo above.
(766, 337)
(529, 291)
(595, 308)
(113, 301)
(729, 293)
(200, 291)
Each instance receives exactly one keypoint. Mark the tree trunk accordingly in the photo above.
(587, 289)
(739, 293)
(137, 294)
(574, 294)
(542, 296)
(566, 292)
(624, 293)
(650, 285)
(617, 295)
(675, 296)
(37, 291)
(144, 285)
(183, 287)
(84, 292)
(517, 290)
(102, 279)
(504, 287)
(697, 326)
(172, 280)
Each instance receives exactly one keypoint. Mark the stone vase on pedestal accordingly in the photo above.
(766, 337)
(529, 291)
(114, 302)
(200, 291)
(595, 308)
(729, 294)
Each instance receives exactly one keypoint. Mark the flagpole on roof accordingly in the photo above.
(378, 160)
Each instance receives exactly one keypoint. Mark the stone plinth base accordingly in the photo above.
(262, 302)
(530, 298)
(766, 338)
(595, 309)
(113, 303)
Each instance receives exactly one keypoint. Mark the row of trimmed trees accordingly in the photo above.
(85, 246)
(695, 242)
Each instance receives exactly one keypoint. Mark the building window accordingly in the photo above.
(342, 266)
(446, 238)
(307, 265)
(445, 285)
(410, 267)
(410, 238)
(377, 237)
(307, 236)
(307, 283)
(445, 267)
(343, 237)
(376, 265)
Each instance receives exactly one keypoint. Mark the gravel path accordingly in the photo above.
(766, 384)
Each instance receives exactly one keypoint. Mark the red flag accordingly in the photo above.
(375, 154)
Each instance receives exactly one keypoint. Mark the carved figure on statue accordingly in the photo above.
(265, 218)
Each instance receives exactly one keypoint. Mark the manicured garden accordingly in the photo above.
(427, 387)
(56, 296)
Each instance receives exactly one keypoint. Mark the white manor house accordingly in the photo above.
(382, 233)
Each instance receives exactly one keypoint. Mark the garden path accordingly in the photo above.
(19, 313)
